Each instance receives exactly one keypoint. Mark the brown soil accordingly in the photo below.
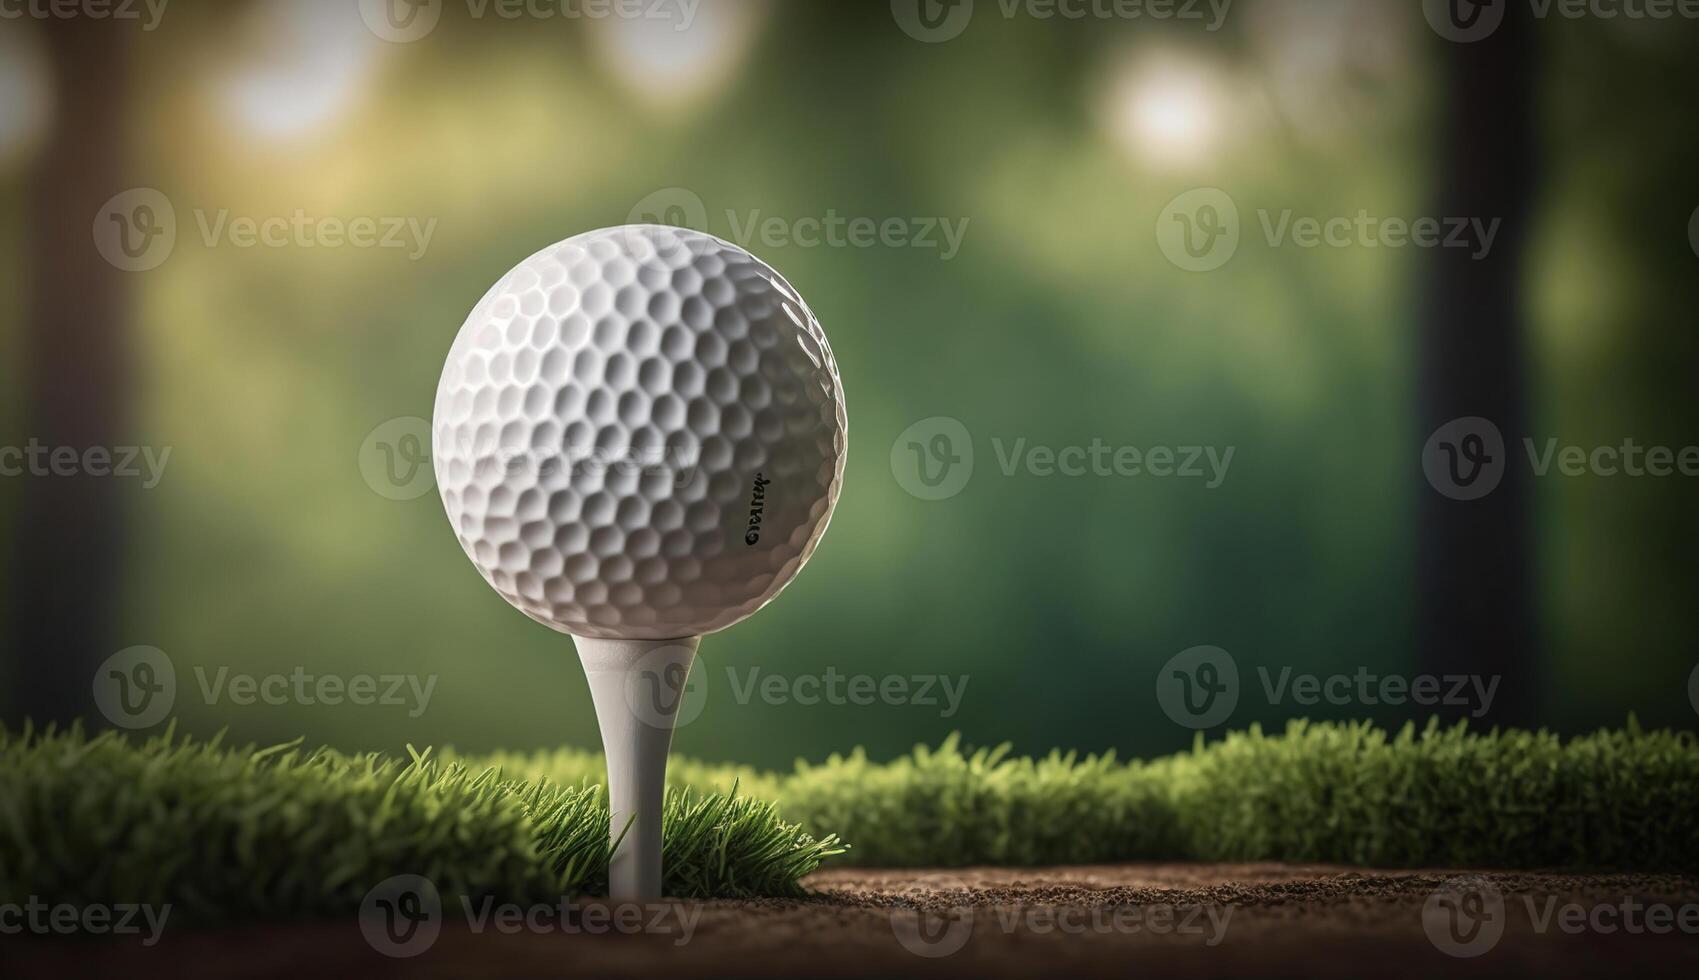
(1157, 920)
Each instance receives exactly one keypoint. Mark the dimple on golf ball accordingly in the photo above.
(640, 434)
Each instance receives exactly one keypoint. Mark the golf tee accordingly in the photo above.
(636, 686)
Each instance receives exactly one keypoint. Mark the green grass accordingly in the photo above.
(1343, 793)
(227, 833)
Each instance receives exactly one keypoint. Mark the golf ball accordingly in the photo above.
(640, 434)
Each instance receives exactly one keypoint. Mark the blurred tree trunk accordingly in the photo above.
(76, 368)
(1475, 582)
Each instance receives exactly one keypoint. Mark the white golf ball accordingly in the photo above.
(640, 434)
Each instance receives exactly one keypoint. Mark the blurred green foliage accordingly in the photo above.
(264, 549)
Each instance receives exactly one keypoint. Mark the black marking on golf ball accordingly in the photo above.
(757, 504)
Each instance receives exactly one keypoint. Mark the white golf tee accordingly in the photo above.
(637, 686)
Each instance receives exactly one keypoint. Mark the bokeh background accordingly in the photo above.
(274, 373)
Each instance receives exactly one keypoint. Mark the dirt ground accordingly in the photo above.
(1157, 920)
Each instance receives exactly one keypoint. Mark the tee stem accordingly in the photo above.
(637, 686)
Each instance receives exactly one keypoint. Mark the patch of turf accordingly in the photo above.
(227, 833)
(1341, 793)
(230, 833)
(1441, 797)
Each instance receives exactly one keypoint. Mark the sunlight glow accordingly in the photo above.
(678, 59)
(301, 66)
(1167, 111)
